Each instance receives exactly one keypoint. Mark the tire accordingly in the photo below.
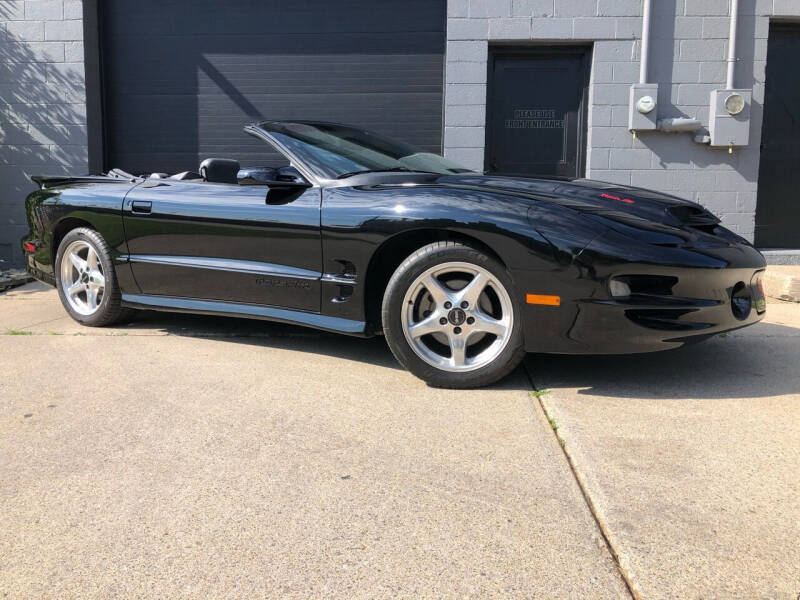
(435, 327)
(71, 274)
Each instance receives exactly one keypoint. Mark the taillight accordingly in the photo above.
(29, 247)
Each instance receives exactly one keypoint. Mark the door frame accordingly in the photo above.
(557, 50)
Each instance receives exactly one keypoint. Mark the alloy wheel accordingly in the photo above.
(82, 278)
(457, 316)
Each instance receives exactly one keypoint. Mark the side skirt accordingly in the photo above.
(233, 309)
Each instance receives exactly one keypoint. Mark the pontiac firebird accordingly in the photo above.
(463, 272)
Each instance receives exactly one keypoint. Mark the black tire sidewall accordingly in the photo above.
(405, 275)
(103, 315)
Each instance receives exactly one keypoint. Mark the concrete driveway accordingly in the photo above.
(691, 458)
(184, 456)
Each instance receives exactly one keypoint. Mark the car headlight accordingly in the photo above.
(619, 289)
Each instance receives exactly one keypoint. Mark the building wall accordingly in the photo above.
(42, 105)
(688, 51)
(43, 125)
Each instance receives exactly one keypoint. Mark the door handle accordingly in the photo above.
(141, 206)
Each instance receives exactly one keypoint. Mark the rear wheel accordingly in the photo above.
(450, 319)
(86, 281)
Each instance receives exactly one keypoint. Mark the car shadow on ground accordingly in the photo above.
(373, 351)
(268, 334)
(760, 361)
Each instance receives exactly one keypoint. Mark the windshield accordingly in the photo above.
(337, 151)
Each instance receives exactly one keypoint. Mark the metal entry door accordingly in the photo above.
(536, 111)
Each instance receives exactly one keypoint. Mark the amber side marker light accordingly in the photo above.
(540, 299)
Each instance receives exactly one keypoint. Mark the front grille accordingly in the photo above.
(658, 285)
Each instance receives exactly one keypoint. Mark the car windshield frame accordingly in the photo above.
(333, 151)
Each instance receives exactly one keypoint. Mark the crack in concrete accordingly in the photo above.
(624, 571)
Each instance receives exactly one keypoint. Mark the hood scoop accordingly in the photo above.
(695, 216)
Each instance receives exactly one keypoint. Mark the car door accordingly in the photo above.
(225, 242)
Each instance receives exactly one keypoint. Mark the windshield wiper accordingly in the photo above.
(392, 170)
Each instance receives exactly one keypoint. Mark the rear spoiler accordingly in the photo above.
(51, 181)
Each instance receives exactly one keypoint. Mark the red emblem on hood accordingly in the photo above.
(617, 198)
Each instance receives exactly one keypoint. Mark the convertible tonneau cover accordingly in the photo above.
(113, 176)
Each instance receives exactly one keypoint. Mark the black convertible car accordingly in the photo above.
(351, 232)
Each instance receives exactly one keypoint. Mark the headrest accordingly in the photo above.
(219, 170)
(186, 175)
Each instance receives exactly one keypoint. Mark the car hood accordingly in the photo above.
(623, 204)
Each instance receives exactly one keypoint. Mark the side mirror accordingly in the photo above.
(282, 178)
(287, 186)
(255, 175)
(290, 174)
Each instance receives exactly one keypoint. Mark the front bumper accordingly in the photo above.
(710, 293)
(701, 306)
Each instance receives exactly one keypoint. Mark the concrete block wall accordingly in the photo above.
(42, 105)
(43, 109)
(687, 59)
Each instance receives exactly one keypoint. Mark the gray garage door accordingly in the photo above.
(181, 77)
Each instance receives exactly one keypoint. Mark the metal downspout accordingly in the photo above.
(732, 44)
(643, 61)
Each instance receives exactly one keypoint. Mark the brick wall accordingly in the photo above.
(687, 59)
(42, 105)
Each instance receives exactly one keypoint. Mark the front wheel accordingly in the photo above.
(449, 317)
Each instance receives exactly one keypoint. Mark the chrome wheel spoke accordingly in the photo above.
(97, 278)
(77, 261)
(473, 290)
(74, 289)
(486, 324)
(437, 291)
(428, 325)
(458, 350)
(91, 297)
(91, 260)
